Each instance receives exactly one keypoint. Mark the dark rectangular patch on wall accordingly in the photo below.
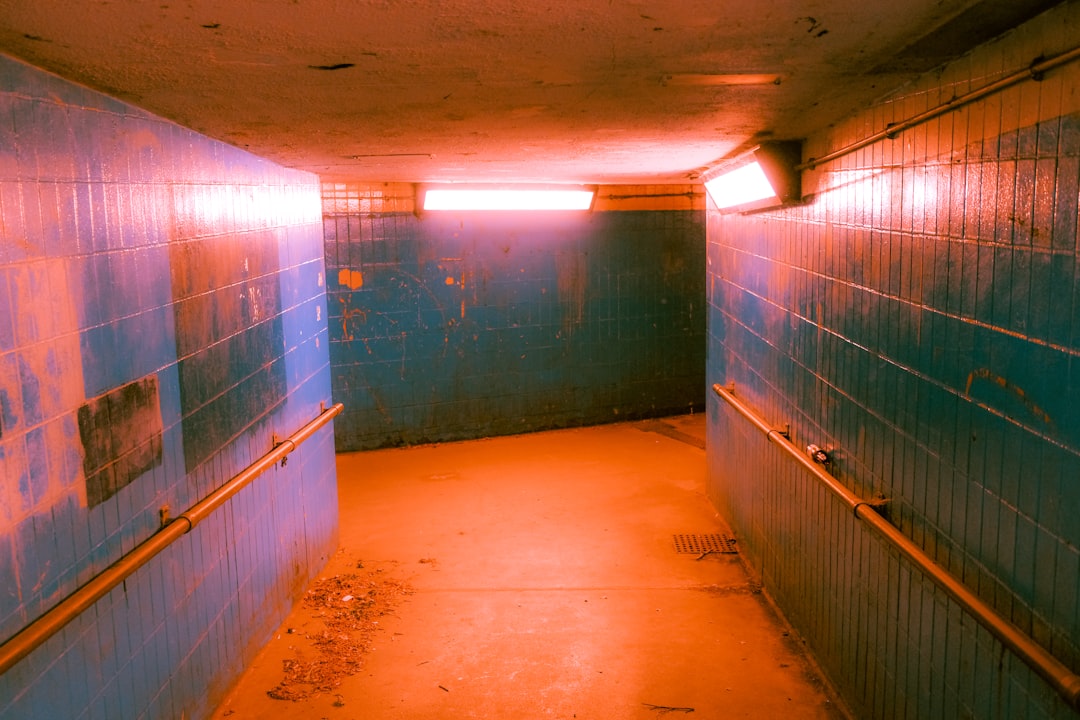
(229, 338)
(225, 389)
(121, 437)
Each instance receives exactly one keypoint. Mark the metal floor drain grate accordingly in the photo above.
(698, 544)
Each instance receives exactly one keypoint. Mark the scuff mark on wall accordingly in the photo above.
(571, 279)
(141, 142)
(673, 259)
(1018, 392)
(41, 384)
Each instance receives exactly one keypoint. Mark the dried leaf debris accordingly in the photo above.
(345, 610)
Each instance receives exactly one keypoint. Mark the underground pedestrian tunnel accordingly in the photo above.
(676, 450)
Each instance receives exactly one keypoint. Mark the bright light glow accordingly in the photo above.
(692, 79)
(477, 199)
(743, 185)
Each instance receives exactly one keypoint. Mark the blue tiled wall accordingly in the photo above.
(452, 326)
(162, 314)
(919, 316)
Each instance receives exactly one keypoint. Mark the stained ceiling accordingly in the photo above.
(598, 91)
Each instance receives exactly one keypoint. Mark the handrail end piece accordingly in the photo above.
(1070, 689)
(729, 388)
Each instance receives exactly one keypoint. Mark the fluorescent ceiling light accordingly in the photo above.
(762, 178)
(746, 184)
(507, 199)
(692, 79)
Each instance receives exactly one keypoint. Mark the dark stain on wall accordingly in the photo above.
(229, 338)
(449, 327)
(121, 437)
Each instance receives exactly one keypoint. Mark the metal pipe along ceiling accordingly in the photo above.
(1038, 67)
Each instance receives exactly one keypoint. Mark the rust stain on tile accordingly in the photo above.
(352, 279)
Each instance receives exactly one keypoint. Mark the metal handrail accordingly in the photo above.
(37, 632)
(1048, 667)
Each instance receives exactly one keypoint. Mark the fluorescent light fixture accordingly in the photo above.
(743, 185)
(506, 198)
(702, 80)
(762, 178)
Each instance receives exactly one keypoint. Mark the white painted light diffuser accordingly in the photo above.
(504, 199)
(746, 184)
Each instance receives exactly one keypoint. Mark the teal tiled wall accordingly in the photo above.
(162, 315)
(453, 326)
(918, 316)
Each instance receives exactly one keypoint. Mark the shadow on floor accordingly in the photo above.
(543, 581)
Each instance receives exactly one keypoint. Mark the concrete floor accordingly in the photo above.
(550, 587)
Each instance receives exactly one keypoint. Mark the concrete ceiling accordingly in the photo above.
(599, 91)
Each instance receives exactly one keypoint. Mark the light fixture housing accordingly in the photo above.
(714, 80)
(762, 178)
(475, 197)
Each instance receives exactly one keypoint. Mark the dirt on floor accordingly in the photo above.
(333, 626)
(548, 584)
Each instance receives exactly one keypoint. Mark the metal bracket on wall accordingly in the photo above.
(782, 430)
(818, 454)
(278, 442)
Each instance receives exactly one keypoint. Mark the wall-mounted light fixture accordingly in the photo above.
(506, 197)
(762, 178)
